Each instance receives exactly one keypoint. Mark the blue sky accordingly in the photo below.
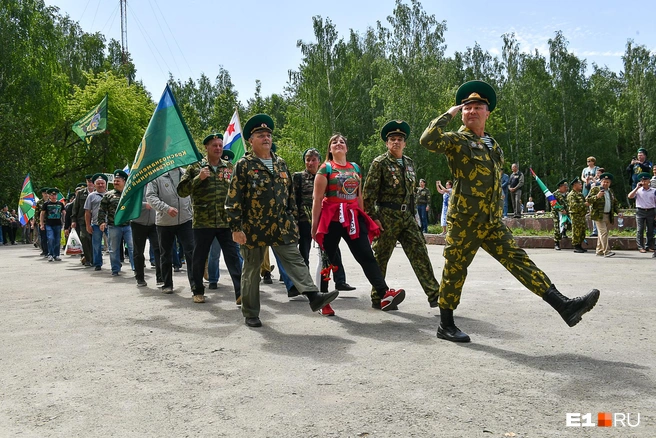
(257, 40)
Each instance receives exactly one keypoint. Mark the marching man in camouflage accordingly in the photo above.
(475, 211)
(578, 208)
(116, 232)
(207, 182)
(389, 196)
(559, 210)
(261, 213)
(423, 200)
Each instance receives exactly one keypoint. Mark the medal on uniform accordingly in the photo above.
(283, 175)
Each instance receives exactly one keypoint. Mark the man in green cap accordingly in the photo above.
(561, 222)
(578, 208)
(117, 233)
(389, 199)
(645, 197)
(422, 201)
(207, 183)
(91, 208)
(639, 164)
(43, 235)
(474, 216)
(261, 213)
(52, 217)
(603, 207)
(78, 220)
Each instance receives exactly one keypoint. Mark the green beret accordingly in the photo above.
(45, 189)
(228, 155)
(395, 127)
(88, 176)
(644, 175)
(119, 173)
(259, 122)
(98, 175)
(212, 137)
(477, 91)
(576, 180)
(311, 151)
(643, 150)
(80, 185)
(606, 175)
(53, 191)
(561, 182)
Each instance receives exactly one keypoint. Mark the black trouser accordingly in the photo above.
(87, 242)
(140, 233)
(361, 250)
(304, 244)
(204, 238)
(44, 240)
(185, 235)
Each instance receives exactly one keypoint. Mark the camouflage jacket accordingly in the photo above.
(208, 196)
(476, 170)
(389, 182)
(303, 190)
(597, 204)
(4, 218)
(576, 203)
(77, 214)
(37, 211)
(423, 196)
(562, 204)
(261, 203)
(107, 209)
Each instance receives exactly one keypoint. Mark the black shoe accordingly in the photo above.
(267, 278)
(141, 283)
(557, 247)
(344, 286)
(253, 322)
(433, 304)
(97, 268)
(447, 329)
(571, 309)
(293, 292)
(320, 300)
(213, 286)
(578, 249)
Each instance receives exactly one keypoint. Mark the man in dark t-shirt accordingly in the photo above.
(52, 214)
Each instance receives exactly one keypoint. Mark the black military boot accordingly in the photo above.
(579, 249)
(557, 246)
(447, 329)
(571, 309)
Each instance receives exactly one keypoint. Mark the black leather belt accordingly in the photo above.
(645, 209)
(394, 206)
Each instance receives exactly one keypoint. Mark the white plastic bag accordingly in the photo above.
(73, 245)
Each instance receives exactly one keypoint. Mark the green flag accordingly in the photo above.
(166, 145)
(94, 123)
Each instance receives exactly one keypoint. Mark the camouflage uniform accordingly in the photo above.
(210, 220)
(77, 216)
(261, 204)
(577, 210)
(422, 201)
(389, 196)
(475, 210)
(117, 233)
(555, 212)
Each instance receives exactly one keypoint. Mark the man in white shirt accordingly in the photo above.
(645, 197)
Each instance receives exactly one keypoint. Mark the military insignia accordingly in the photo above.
(283, 175)
(410, 169)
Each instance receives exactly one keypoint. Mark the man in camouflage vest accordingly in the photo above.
(578, 208)
(474, 216)
(558, 211)
(261, 213)
(423, 200)
(78, 220)
(207, 183)
(117, 233)
(389, 196)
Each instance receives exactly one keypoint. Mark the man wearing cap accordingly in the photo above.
(78, 220)
(389, 196)
(261, 213)
(603, 207)
(422, 200)
(43, 235)
(559, 214)
(117, 232)
(578, 208)
(91, 208)
(474, 216)
(52, 216)
(639, 164)
(207, 183)
(515, 184)
(645, 197)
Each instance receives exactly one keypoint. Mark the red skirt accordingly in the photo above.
(347, 214)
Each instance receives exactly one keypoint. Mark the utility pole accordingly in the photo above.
(124, 32)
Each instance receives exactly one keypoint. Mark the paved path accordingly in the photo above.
(87, 355)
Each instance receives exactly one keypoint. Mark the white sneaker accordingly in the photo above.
(57, 259)
(50, 258)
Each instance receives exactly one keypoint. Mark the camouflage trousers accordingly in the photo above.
(463, 239)
(401, 226)
(556, 225)
(578, 228)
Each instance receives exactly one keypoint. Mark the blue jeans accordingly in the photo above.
(283, 274)
(116, 233)
(423, 217)
(54, 239)
(96, 242)
(213, 273)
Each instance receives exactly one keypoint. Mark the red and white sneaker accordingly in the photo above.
(327, 310)
(392, 299)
